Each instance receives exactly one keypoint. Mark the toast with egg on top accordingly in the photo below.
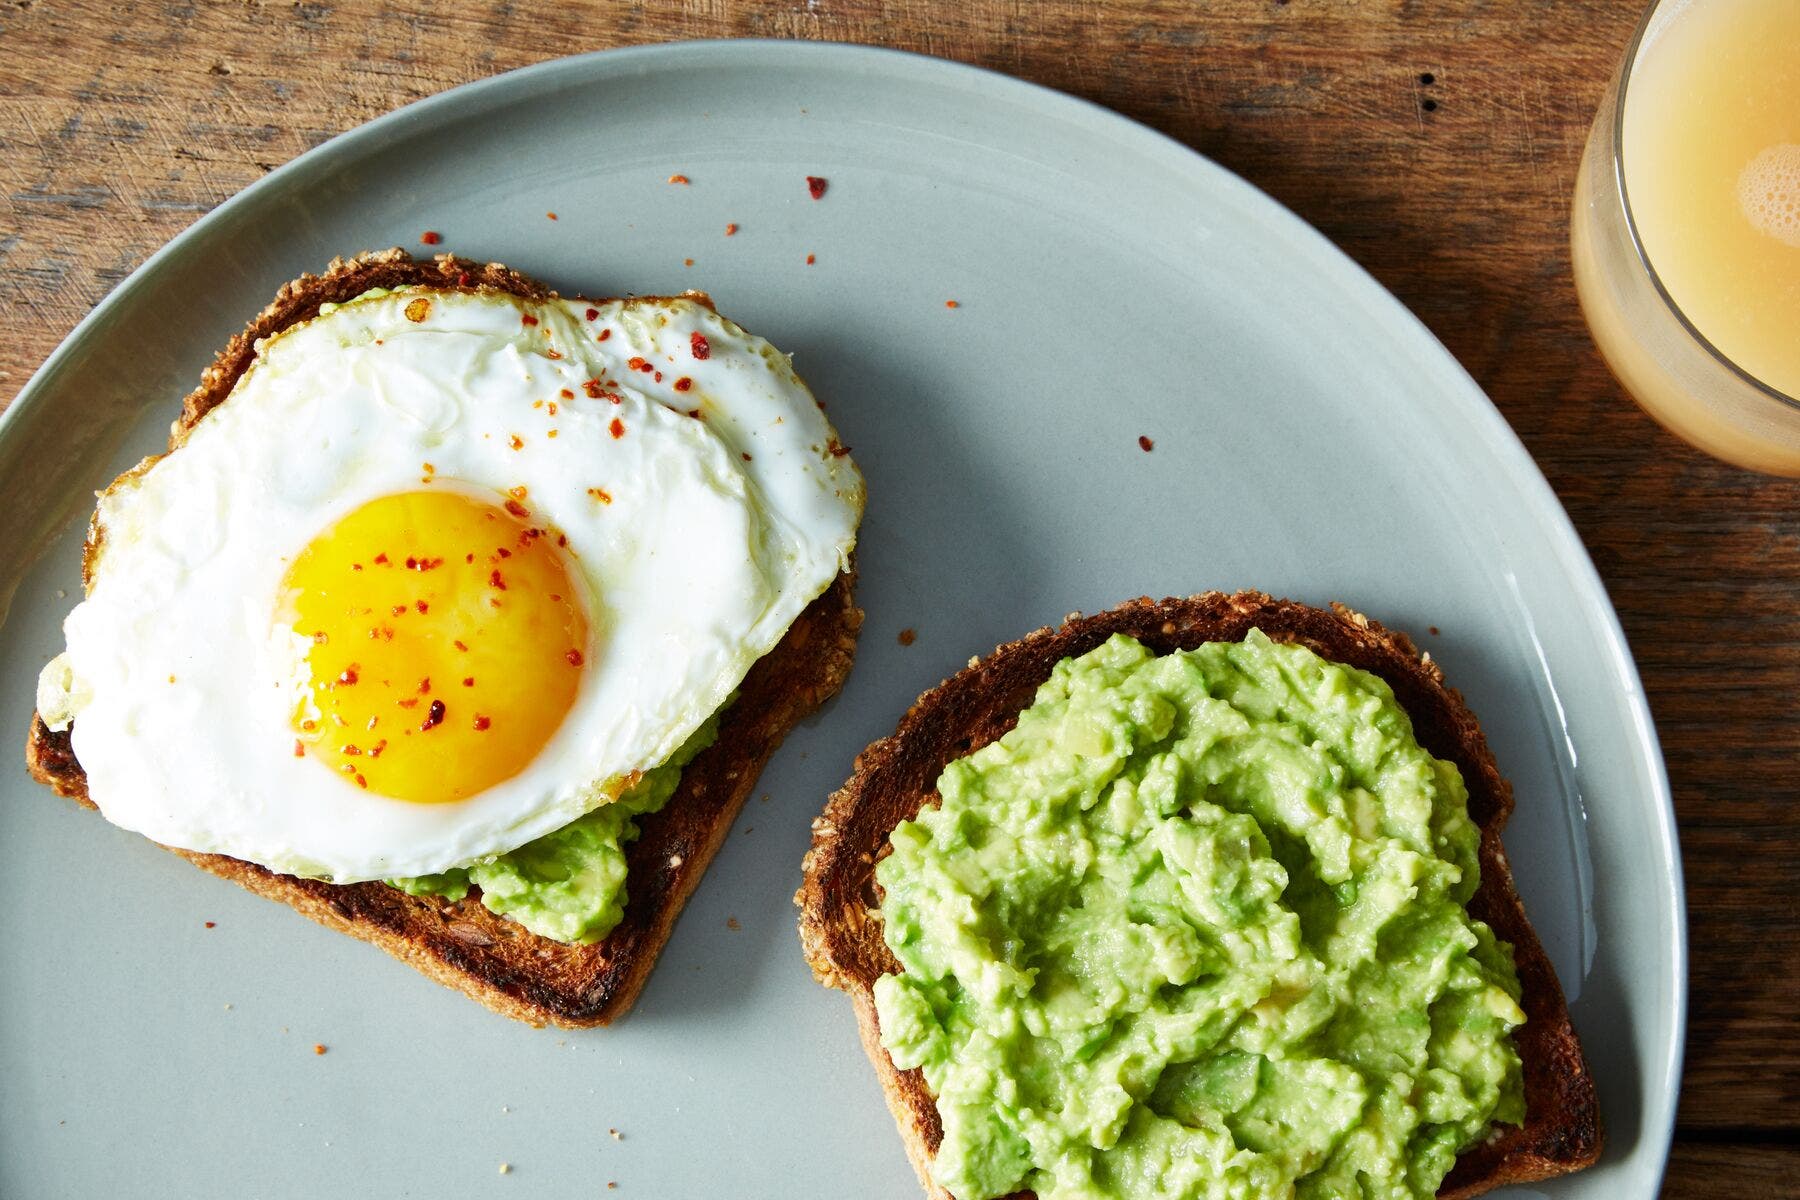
(461, 943)
(840, 900)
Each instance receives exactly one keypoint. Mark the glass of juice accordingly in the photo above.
(1686, 228)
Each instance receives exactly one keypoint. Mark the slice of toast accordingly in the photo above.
(462, 944)
(841, 929)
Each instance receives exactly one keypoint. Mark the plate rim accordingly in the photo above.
(1046, 103)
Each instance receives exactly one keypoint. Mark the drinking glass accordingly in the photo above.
(1673, 371)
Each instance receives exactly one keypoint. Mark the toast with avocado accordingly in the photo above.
(443, 929)
(1195, 894)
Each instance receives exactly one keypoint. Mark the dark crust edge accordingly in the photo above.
(462, 944)
(841, 931)
(500, 963)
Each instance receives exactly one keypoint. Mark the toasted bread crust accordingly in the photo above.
(840, 928)
(462, 944)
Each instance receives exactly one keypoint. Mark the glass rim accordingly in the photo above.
(1626, 70)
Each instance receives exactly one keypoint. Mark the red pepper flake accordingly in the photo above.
(639, 364)
(592, 388)
(658, 377)
(617, 428)
(434, 716)
(352, 751)
(683, 384)
(382, 558)
(601, 494)
(1145, 444)
(353, 567)
(951, 304)
(423, 564)
(299, 749)
(462, 279)
(811, 259)
(592, 314)
(459, 643)
(700, 346)
(399, 610)
(428, 469)
(746, 455)
(409, 702)
(469, 681)
(907, 637)
(422, 606)
(527, 319)
(318, 1049)
(681, 179)
(815, 186)
(363, 784)
(731, 229)
(574, 657)
(212, 924)
(837, 448)
(518, 492)
(425, 686)
(552, 354)
(378, 747)
(566, 394)
(431, 237)
(694, 413)
(604, 334)
(503, 552)
(551, 215)
(348, 676)
(481, 723)
(518, 510)
(495, 579)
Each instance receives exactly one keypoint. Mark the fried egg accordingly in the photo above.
(445, 571)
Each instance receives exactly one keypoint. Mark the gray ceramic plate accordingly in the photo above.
(1311, 439)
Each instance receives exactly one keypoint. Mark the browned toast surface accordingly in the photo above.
(462, 944)
(894, 777)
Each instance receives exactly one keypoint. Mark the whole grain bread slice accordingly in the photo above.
(840, 925)
(462, 944)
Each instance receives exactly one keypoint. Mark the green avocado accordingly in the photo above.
(1197, 928)
(569, 885)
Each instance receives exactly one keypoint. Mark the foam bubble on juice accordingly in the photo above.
(1768, 192)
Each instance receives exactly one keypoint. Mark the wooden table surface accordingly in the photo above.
(1435, 142)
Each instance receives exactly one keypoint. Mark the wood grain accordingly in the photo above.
(121, 123)
(1749, 1172)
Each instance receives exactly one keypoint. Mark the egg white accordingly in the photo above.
(721, 527)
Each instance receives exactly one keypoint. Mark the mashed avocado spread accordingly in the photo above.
(569, 885)
(1197, 928)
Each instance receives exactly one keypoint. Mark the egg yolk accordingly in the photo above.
(445, 641)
